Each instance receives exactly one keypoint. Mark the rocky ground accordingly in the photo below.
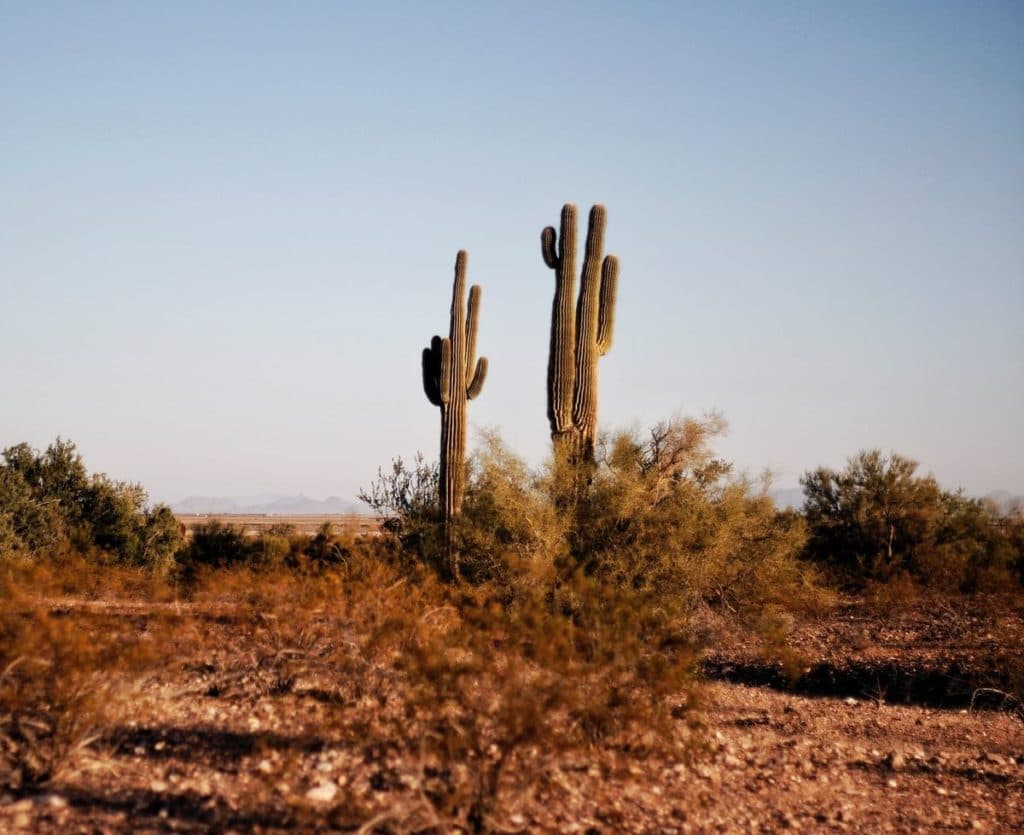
(206, 748)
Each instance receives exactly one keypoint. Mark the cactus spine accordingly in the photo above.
(580, 334)
(447, 365)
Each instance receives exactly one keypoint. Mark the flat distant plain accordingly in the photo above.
(252, 524)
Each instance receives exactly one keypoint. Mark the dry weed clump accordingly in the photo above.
(475, 684)
(60, 680)
(473, 690)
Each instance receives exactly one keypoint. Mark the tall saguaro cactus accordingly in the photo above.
(581, 330)
(447, 366)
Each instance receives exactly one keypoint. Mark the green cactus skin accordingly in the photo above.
(580, 336)
(447, 364)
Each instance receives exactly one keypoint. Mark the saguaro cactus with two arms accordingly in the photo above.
(452, 377)
(581, 330)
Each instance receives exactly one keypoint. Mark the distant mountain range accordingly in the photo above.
(268, 503)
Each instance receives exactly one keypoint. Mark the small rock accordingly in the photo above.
(265, 767)
(517, 820)
(891, 784)
(158, 786)
(323, 793)
(850, 700)
(895, 761)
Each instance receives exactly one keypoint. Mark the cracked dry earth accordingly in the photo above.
(201, 754)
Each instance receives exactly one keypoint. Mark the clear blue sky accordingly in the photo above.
(227, 229)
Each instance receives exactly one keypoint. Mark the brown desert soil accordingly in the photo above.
(208, 746)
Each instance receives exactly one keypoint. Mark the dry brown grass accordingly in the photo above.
(61, 679)
(464, 681)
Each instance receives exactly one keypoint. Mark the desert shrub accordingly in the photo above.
(271, 549)
(659, 514)
(50, 504)
(898, 593)
(1012, 529)
(160, 539)
(217, 545)
(10, 542)
(405, 498)
(878, 519)
(509, 519)
(663, 513)
(325, 549)
(774, 627)
(29, 525)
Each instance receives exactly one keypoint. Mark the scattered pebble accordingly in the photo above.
(322, 793)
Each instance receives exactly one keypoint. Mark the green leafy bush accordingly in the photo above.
(49, 504)
(878, 519)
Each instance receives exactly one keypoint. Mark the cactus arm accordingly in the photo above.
(606, 311)
(472, 324)
(432, 371)
(547, 247)
(477, 383)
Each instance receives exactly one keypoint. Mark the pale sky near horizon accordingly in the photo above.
(227, 229)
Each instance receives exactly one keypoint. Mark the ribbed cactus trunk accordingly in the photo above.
(581, 331)
(447, 364)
